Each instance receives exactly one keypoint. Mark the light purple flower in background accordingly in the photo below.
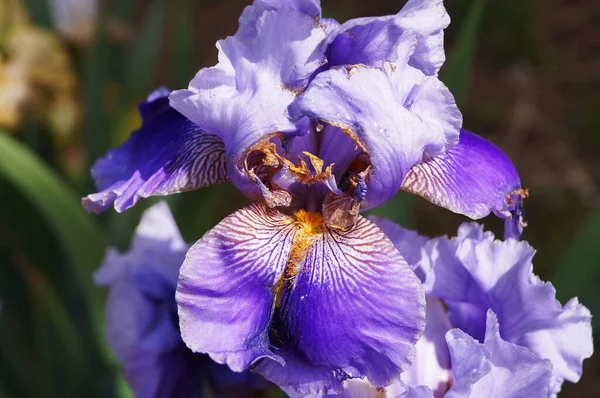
(488, 289)
(142, 327)
(314, 121)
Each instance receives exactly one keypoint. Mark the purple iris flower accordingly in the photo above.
(314, 121)
(142, 325)
(477, 288)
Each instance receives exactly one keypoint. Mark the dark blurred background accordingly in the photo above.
(526, 74)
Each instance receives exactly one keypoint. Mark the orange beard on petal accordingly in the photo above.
(309, 228)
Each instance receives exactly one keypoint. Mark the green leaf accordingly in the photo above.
(59, 342)
(457, 70)
(82, 242)
(39, 12)
(578, 272)
(183, 56)
(95, 73)
(144, 54)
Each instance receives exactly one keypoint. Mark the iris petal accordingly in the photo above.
(373, 40)
(398, 116)
(168, 154)
(473, 273)
(226, 290)
(431, 367)
(252, 13)
(243, 99)
(495, 368)
(355, 308)
(472, 178)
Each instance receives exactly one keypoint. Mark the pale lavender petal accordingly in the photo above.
(373, 41)
(401, 390)
(448, 280)
(354, 307)
(527, 309)
(427, 19)
(360, 388)
(226, 290)
(243, 99)
(156, 253)
(473, 178)
(397, 116)
(431, 366)
(141, 325)
(496, 368)
(409, 243)
(168, 154)
(252, 13)
(491, 274)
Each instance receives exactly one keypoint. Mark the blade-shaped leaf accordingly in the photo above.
(457, 69)
(82, 242)
(143, 60)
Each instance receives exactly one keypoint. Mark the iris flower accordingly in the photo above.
(314, 121)
(142, 327)
(483, 292)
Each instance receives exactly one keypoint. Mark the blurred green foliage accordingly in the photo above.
(51, 319)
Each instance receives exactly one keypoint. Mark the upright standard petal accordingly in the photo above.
(373, 41)
(492, 274)
(244, 98)
(496, 368)
(168, 154)
(352, 307)
(473, 178)
(252, 13)
(397, 116)
(226, 291)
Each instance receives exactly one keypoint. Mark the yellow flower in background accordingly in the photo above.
(37, 81)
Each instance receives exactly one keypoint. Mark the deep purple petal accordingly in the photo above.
(225, 293)
(354, 307)
(373, 41)
(168, 154)
(473, 273)
(244, 98)
(473, 178)
(495, 368)
(299, 377)
(397, 116)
